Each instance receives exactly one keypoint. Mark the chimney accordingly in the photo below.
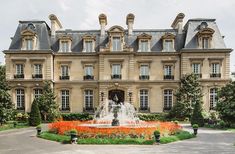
(129, 22)
(178, 23)
(103, 23)
(55, 24)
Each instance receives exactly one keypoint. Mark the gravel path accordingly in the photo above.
(24, 141)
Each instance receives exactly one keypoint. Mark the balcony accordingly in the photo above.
(64, 77)
(20, 108)
(144, 109)
(167, 108)
(65, 109)
(37, 76)
(168, 77)
(116, 76)
(19, 76)
(215, 75)
(198, 75)
(88, 77)
(89, 109)
(144, 77)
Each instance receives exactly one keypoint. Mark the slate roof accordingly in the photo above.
(185, 40)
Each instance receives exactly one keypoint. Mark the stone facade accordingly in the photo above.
(143, 67)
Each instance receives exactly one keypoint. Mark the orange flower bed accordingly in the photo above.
(143, 130)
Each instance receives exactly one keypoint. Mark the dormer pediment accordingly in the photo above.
(28, 32)
(65, 37)
(205, 31)
(116, 29)
(88, 37)
(144, 36)
(168, 36)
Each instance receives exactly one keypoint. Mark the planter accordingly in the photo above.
(39, 131)
(73, 138)
(157, 138)
(195, 131)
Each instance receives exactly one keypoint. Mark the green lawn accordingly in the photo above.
(10, 125)
(66, 139)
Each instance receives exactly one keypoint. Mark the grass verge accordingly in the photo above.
(10, 125)
(182, 135)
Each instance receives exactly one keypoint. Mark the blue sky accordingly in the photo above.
(83, 14)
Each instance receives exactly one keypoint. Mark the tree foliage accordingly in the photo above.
(197, 117)
(6, 105)
(35, 117)
(226, 102)
(48, 107)
(186, 96)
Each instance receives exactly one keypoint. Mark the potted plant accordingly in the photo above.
(73, 135)
(14, 124)
(195, 128)
(39, 129)
(156, 134)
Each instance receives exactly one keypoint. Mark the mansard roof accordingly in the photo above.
(185, 40)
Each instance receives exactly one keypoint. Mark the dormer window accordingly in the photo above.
(204, 36)
(88, 43)
(116, 44)
(116, 39)
(64, 46)
(168, 42)
(65, 43)
(29, 44)
(28, 39)
(144, 42)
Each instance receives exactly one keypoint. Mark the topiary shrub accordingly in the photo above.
(197, 117)
(35, 117)
(153, 116)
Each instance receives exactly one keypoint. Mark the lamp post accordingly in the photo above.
(130, 94)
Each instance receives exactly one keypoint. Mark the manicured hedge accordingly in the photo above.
(76, 116)
(153, 116)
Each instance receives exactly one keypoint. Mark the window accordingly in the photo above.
(20, 99)
(215, 70)
(88, 46)
(64, 72)
(19, 69)
(28, 44)
(168, 45)
(116, 44)
(37, 71)
(88, 99)
(144, 72)
(205, 42)
(89, 73)
(144, 46)
(168, 72)
(196, 67)
(65, 99)
(168, 99)
(213, 99)
(116, 71)
(64, 46)
(144, 99)
(37, 93)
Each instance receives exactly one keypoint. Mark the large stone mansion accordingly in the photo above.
(141, 66)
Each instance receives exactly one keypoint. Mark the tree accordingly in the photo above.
(6, 105)
(48, 107)
(35, 117)
(226, 103)
(197, 117)
(187, 95)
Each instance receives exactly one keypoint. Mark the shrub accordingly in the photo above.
(153, 117)
(195, 126)
(197, 117)
(156, 132)
(39, 127)
(35, 117)
(76, 116)
(222, 124)
(73, 131)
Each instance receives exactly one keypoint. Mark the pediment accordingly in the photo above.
(206, 31)
(88, 36)
(144, 36)
(168, 36)
(27, 32)
(65, 37)
(116, 29)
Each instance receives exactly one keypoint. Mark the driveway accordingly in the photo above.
(24, 141)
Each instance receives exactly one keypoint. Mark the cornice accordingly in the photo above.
(192, 50)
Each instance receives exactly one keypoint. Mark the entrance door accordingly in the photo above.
(117, 95)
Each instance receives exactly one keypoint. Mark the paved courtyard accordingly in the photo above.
(24, 141)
